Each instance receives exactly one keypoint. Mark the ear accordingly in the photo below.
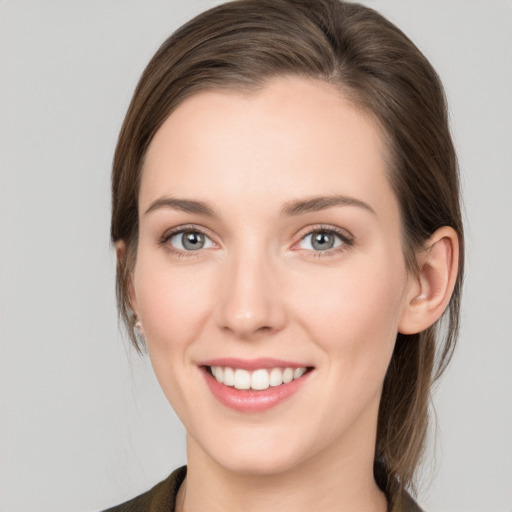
(430, 290)
(122, 263)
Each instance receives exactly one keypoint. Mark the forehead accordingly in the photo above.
(293, 137)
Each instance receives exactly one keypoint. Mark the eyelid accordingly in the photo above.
(166, 237)
(346, 237)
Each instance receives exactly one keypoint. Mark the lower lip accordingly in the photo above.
(249, 400)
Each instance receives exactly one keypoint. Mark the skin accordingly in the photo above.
(260, 289)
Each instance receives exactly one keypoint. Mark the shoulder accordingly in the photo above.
(160, 498)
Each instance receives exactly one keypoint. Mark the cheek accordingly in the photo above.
(172, 302)
(173, 305)
(353, 311)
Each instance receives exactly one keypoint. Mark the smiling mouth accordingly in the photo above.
(256, 380)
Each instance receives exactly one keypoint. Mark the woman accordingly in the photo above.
(287, 224)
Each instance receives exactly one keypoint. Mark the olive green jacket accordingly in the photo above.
(162, 497)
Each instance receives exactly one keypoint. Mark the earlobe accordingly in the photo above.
(431, 289)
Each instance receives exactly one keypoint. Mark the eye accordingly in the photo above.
(322, 240)
(190, 240)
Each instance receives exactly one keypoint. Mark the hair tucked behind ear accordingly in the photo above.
(240, 45)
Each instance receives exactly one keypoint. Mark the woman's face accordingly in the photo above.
(270, 239)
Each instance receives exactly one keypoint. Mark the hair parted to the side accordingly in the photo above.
(242, 44)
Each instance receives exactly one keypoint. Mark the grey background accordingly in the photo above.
(83, 423)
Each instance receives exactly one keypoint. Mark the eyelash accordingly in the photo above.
(167, 236)
(346, 239)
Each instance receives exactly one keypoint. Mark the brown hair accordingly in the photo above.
(240, 45)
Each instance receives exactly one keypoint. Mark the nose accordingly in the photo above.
(250, 300)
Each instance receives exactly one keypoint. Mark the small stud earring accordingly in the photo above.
(139, 336)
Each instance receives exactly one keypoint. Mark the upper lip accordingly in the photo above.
(252, 364)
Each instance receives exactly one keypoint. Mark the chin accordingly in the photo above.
(257, 452)
(269, 464)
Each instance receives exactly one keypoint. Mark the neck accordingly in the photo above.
(338, 479)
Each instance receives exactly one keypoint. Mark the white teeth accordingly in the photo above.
(218, 373)
(258, 379)
(229, 377)
(297, 373)
(276, 377)
(242, 379)
(287, 375)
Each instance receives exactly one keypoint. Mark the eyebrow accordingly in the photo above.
(315, 204)
(291, 208)
(184, 205)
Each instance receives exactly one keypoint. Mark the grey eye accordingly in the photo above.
(190, 241)
(321, 241)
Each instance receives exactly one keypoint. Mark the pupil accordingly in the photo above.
(193, 241)
(323, 241)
